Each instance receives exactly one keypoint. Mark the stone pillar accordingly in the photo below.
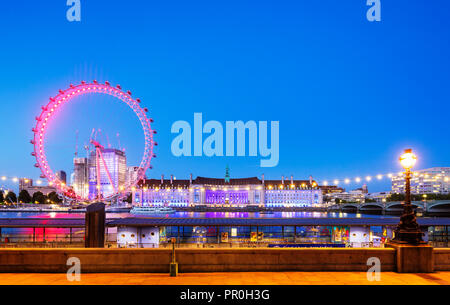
(191, 195)
(95, 226)
(203, 195)
(251, 195)
(413, 258)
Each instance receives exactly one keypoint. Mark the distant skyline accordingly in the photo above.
(349, 94)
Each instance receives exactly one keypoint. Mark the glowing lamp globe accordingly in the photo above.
(408, 159)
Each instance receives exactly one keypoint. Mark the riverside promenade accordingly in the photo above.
(229, 278)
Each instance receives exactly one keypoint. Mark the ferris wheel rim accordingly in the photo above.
(64, 97)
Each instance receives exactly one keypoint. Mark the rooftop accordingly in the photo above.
(185, 183)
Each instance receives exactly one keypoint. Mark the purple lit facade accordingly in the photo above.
(224, 197)
(233, 193)
(178, 197)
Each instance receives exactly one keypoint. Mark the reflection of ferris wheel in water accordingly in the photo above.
(101, 166)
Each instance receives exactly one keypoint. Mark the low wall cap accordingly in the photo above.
(95, 207)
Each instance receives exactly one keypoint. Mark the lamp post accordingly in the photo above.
(408, 231)
(173, 267)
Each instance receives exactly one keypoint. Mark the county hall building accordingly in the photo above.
(226, 192)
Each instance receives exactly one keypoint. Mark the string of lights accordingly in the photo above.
(15, 179)
(324, 182)
(379, 177)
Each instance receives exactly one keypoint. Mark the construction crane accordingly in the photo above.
(118, 140)
(107, 140)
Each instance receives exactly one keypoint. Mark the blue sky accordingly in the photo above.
(349, 94)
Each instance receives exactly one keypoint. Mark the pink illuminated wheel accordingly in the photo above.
(65, 96)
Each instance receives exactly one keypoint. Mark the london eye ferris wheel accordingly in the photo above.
(100, 165)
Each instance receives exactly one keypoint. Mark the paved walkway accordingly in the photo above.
(229, 278)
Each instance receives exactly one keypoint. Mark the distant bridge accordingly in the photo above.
(430, 207)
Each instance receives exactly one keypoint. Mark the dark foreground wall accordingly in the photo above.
(441, 259)
(194, 260)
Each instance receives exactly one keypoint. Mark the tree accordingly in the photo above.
(396, 197)
(2, 198)
(129, 198)
(24, 196)
(418, 197)
(339, 201)
(11, 197)
(53, 196)
(38, 197)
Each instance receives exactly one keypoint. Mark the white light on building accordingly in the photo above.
(426, 181)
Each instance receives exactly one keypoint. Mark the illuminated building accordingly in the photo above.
(80, 181)
(132, 175)
(112, 167)
(61, 175)
(379, 196)
(27, 184)
(435, 180)
(218, 192)
(24, 183)
(154, 192)
(357, 195)
(226, 192)
(330, 189)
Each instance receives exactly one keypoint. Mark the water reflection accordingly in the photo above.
(185, 214)
(57, 234)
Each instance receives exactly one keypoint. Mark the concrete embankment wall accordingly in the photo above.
(441, 259)
(194, 260)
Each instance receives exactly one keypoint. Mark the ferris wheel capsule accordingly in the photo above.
(95, 82)
(129, 92)
(138, 100)
(118, 87)
(107, 83)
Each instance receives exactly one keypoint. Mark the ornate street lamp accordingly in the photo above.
(408, 231)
